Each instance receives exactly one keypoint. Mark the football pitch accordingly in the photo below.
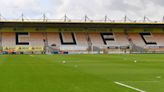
(82, 73)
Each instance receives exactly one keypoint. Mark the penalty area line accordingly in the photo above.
(127, 86)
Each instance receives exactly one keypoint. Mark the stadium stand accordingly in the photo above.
(36, 39)
(82, 41)
(8, 39)
(77, 38)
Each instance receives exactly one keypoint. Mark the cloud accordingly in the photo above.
(76, 9)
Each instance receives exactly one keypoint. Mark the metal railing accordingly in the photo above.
(85, 19)
(78, 20)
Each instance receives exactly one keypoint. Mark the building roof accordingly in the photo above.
(60, 24)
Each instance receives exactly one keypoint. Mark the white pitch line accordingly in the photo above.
(124, 85)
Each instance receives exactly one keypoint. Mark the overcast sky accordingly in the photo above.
(76, 9)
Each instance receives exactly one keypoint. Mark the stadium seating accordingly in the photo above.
(136, 39)
(8, 39)
(53, 38)
(36, 39)
(81, 41)
(158, 38)
(96, 39)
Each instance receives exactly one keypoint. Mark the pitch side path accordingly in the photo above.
(82, 73)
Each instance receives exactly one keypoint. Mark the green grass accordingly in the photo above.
(81, 73)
